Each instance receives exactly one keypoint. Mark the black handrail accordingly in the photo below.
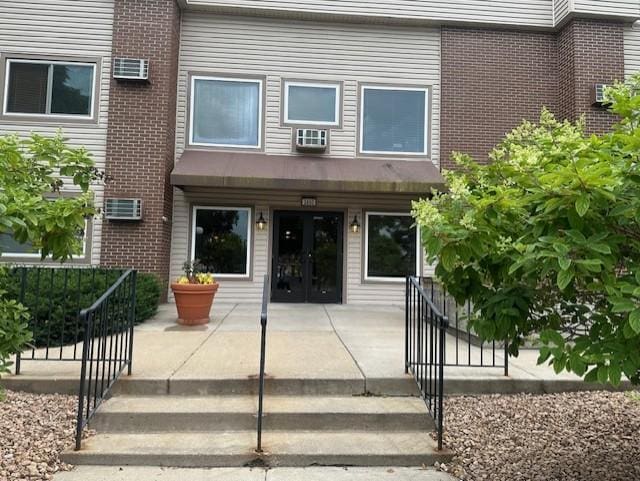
(263, 344)
(425, 332)
(107, 348)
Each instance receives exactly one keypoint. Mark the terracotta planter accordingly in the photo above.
(193, 302)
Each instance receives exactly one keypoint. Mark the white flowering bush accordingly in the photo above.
(545, 238)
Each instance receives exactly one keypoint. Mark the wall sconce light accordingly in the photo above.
(355, 225)
(261, 223)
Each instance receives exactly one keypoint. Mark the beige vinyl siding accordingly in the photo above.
(623, 8)
(632, 49)
(70, 28)
(502, 12)
(357, 291)
(309, 51)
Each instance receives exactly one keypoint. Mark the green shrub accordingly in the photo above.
(55, 296)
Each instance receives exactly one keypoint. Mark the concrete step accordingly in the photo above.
(281, 448)
(242, 386)
(147, 414)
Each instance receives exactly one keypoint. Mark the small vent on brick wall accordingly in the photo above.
(123, 209)
(131, 69)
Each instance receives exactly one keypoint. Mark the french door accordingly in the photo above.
(307, 257)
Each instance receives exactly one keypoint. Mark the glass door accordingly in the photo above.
(307, 257)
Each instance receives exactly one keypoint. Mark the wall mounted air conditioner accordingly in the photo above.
(311, 140)
(130, 69)
(123, 209)
(597, 96)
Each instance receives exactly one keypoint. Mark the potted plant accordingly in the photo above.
(194, 292)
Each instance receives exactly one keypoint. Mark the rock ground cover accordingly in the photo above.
(34, 430)
(587, 436)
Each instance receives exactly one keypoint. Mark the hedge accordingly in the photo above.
(55, 296)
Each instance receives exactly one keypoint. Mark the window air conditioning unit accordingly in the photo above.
(598, 96)
(311, 140)
(131, 69)
(123, 209)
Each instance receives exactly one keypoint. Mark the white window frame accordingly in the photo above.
(48, 113)
(295, 83)
(260, 84)
(37, 255)
(425, 150)
(367, 277)
(195, 209)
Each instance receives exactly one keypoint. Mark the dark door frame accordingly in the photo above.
(308, 295)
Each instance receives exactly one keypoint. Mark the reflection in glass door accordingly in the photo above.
(307, 257)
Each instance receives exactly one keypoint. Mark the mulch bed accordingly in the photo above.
(587, 436)
(34, 430)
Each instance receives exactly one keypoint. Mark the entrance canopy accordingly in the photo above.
(284, 172)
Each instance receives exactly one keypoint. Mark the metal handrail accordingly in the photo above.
(263, 344)
(107, 348)
(425, 343)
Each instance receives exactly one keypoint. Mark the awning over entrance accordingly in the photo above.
(282, 172)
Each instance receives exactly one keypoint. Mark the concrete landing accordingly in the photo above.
(132, 473)
(312, 349)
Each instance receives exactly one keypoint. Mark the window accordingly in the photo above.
(226, 112)
(392, 249)
(63, 89)
(394, 120)
(220, 240)
(309, 103)
(9, 247)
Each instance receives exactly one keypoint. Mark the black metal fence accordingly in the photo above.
(107, 347)
(263, 345)
(425, 343)
(54, 297)
(465, 349)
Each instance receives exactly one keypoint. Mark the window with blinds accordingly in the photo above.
(393, 120)
(49, 88)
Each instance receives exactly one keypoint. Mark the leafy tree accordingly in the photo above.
(546, 239)
(33, 210)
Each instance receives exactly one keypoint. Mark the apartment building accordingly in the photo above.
(289, 138)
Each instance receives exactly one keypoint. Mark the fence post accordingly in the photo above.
(506, 357)
(88, 330)
(132, 319)
(443, 329)
(23, 291)
(406, 325)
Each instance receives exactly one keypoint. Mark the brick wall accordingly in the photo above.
(591, 52)
(493, 79)
(141, 135)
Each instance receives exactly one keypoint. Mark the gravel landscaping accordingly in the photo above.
(590, 436)
(34, 430)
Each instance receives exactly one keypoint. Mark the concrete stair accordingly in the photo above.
(219, 431)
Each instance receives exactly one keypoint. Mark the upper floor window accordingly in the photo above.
(394, 120)
(61, 89)
(312, 103)
(226, 112)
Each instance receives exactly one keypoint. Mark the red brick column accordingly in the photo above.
(141, 135)
(590, 52)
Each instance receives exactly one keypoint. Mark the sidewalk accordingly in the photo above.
(100, 473)
(358, 346)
